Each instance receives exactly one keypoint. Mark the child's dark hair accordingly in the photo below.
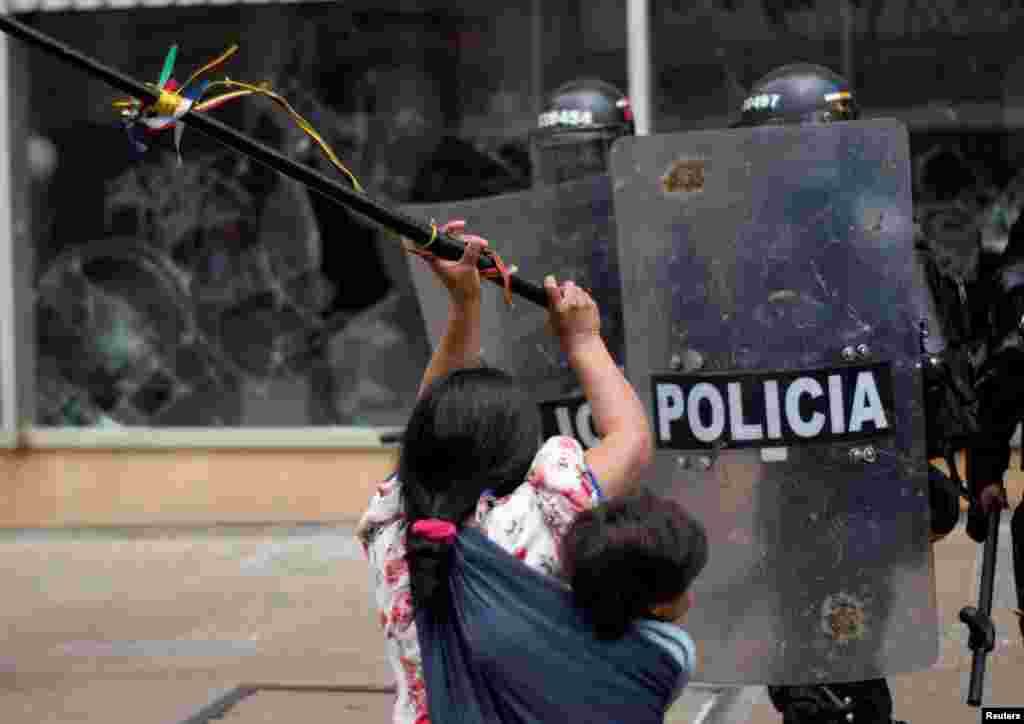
(628, 555)
(473, 430)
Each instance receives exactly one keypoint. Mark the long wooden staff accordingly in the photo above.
(421, 234)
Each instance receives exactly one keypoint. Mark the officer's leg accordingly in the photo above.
(796, 704)
(870, 702)
(944, 501)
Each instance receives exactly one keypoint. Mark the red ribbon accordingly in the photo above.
(433, 529)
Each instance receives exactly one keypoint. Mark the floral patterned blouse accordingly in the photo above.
(529, 523)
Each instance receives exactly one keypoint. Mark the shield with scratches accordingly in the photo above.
(772, 309)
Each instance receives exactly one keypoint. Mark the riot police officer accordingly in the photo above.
(811, 94)
(579, 122)
(998, 299)
(569, 148)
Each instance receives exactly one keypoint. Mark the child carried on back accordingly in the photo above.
(630, 562)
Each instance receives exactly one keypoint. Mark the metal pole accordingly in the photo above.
(982, 637)
(537, 56)
(638, 42)
(848, 23)
(984, 646)
(9, 408)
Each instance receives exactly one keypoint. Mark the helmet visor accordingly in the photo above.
(571, 155)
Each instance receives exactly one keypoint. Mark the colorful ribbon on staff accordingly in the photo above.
(175, 101)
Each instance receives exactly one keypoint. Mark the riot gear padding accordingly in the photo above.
(944, 501)
(579, 123)
(799, 93)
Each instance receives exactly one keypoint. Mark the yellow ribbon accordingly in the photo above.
(303, 124)
(433, 236)
(223, 98)
(211, 65)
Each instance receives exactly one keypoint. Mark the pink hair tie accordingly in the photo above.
(433, 529)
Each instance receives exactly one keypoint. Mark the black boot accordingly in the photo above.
(870, 702)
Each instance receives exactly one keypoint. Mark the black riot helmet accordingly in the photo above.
(799, 93)
(576, 128)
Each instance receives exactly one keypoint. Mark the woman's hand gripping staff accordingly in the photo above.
(627, 442)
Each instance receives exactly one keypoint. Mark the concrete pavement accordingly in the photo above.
(140, 627)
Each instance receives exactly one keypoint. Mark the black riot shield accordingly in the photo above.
(565, 230)
(772, 310)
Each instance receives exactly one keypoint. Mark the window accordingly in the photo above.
(212, 292)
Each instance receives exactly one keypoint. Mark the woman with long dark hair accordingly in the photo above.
(472, 633)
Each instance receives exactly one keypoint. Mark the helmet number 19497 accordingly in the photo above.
(761, 102)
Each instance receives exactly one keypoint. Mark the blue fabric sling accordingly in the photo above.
(514, 649)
